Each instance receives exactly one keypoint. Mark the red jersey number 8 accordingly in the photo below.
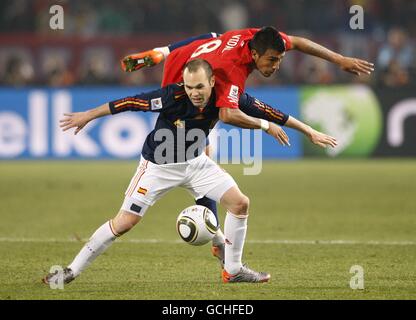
(207, 47)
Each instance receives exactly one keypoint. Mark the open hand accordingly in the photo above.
(76, 120)
(356, 66)
(280, 135)
(321, 139)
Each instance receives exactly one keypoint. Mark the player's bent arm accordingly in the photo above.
(313, 135)
(348, 64)
(236, 117)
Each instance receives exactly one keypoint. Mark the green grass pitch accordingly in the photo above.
(299, 210)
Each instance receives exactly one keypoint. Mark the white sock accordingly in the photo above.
(218, 239)
(102, 238)
(235, 234)
(164, 50)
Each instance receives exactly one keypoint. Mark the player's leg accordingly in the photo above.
(235, 229)
(104, 237)
(218, 241)
(212, 205)
(129, 215)
(189, 40)
(99, 242)
(139, 60)
(217, 248)
(209, 180)
(136, 202)
(152, 57)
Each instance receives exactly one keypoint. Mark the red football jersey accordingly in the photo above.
(229, 56)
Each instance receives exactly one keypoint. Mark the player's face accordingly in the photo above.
(269, 62)
(198, 87)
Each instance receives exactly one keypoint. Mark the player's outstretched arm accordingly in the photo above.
(349, 64)
(152, 101)
(316, 137)
(79, 120)
(256, 108)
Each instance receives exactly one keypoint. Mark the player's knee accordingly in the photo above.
(242, 205)
(125, 221)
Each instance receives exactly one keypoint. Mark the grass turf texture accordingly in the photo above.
(354, 200)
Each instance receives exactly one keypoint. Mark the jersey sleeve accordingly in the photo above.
(153, 101)
(258, 109)
(286, 40)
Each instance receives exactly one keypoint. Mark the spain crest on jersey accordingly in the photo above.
(179, 123)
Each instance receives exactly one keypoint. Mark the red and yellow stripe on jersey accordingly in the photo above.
(131, 103)
(275, 115)
(179, 95)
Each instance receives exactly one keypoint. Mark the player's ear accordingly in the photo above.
(255, 55)
(212, 81)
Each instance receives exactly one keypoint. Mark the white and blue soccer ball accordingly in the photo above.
(197, 225)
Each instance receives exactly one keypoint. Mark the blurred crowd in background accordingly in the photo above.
(98, 33)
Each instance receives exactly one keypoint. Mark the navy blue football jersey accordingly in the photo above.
(181, 130)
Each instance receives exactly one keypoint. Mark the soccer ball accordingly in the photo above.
(196, 225)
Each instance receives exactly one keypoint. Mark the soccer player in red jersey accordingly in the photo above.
(234, 55)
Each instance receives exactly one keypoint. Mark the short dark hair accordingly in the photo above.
(267, 38)
(195, 64)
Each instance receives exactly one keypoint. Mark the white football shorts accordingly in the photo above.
(201, 176)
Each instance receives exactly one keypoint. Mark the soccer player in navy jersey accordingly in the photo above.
(169, 160)
(233, 56)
